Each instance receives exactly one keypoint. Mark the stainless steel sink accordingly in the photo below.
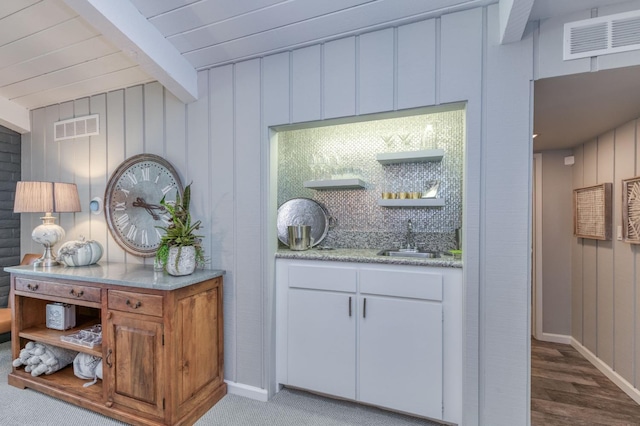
(409, 253)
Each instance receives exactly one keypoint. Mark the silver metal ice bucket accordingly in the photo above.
(299, 237)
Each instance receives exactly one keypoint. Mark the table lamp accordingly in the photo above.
(47, 198)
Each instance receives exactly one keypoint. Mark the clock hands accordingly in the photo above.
(140, 202)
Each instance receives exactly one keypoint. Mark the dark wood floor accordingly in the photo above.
(567, 390)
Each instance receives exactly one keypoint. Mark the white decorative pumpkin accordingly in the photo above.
(80, 252)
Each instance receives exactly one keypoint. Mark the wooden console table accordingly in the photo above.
(162, 338)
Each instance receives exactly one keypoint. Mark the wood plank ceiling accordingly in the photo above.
(50, 54)
(52, 51)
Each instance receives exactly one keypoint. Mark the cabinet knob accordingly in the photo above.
(108, 404)
(76, 293)
(133, 305)
(109, 314)
(32, 287)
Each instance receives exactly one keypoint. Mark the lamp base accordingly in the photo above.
(47, 234)
(47, 259)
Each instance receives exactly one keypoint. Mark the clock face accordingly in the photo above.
(132, 202)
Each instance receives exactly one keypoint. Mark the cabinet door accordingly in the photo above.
(135, 362)
(321, 343)
(400, 359)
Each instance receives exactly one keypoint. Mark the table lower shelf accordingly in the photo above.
(63, 381)
(64, 385)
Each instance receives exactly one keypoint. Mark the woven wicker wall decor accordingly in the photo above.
(631, 210)
(592, 212)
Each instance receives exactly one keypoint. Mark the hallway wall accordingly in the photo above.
(557, 225)
(605, 282)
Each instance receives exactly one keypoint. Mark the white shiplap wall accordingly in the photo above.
(222, 143)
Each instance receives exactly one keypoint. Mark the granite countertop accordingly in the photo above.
(365, 256)
(124, 274)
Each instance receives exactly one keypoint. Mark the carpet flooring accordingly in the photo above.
(20, 407)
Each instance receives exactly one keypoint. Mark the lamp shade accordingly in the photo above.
(43, 197)
(65, 198)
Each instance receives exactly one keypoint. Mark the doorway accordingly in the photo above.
(588, 127)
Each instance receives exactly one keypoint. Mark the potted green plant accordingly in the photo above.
(180, 250)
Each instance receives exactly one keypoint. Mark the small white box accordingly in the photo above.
(61, 316)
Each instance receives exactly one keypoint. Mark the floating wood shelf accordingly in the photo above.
(417, 202)
(335, 184)
(422, 156)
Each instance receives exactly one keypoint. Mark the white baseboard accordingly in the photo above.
(247, 391)
(555, 338)
(620, 381)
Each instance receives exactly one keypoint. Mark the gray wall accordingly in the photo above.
(222, 143)
(605, 283)
(548, 60)
(9, 221)
(557, 231)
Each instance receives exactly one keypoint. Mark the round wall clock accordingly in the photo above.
(132, 202)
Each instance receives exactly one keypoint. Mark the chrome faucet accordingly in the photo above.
(409, 238)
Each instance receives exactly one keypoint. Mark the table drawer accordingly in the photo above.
(48, 288)
(146, 304)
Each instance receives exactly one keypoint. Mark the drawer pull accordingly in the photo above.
(108, 359)
(134, 306)
(33, 287)
(76, 294)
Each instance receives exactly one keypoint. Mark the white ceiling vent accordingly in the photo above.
(80, 127)
(602, 36)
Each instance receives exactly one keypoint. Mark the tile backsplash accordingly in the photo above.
(349, 150)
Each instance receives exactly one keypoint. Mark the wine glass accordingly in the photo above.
(405, 140)
(388, 141)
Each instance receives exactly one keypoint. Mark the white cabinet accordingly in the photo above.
(321, 348)
(371, 333)
(400, 363)
(400, 339)
(322, 342)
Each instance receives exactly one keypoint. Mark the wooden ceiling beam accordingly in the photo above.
(122, 24)
(14, 116)
(514, 15)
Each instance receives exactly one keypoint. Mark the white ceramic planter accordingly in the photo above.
(186, 261)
